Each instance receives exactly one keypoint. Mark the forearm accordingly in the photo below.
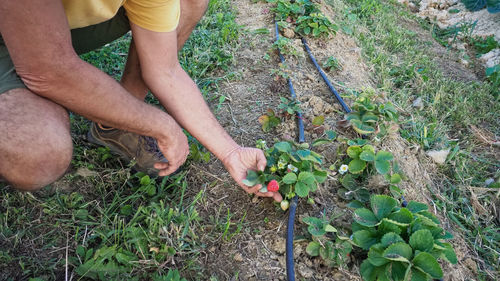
(86, 90)
(183, 101)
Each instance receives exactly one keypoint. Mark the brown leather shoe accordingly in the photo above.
(130, 146)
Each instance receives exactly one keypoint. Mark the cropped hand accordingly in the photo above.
(241, 159)
(175, 148)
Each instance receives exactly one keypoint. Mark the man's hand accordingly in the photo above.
(242, 159)
(175, 148)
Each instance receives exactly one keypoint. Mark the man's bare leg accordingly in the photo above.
(35, 143)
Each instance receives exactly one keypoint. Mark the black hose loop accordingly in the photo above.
(290, 268)
(325, 78)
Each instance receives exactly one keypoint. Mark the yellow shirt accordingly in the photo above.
(155, 15)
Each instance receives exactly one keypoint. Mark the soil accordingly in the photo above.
(256, 251)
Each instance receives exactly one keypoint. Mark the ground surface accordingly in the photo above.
(221, 233)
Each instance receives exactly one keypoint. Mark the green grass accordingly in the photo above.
(115, 224)
(404, 68)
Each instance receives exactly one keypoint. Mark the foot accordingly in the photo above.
(129, 146)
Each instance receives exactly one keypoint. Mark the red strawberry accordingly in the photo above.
(273, 186)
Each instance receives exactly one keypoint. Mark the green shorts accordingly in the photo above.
(84, 39)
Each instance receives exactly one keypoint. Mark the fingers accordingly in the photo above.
(175, 160)
(261, 161)
(254, 189)
(275, 195)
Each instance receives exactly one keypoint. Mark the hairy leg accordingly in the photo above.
(35, 143)
(191, 13)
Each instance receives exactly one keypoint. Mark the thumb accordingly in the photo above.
(261, 161)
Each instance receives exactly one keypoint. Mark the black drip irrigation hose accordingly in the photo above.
(290, 270)
(325, 78)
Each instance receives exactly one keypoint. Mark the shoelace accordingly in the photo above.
(152, 146)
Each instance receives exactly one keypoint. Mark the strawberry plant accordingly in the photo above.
(315, 24)
(269, 120)
(289, 106)
(332, 63)
(333, 252)
(292, 169)
(367, 116)
(285, 46)
(363, 155)
(351, 190)
(401, 243)
(283, 72)
(286, 9)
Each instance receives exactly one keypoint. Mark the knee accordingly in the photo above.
(41, 168)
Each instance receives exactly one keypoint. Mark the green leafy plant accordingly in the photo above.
(286, 47)
(401, 243)
(105, 263)
(493, 74)
(333, 252)
(315, 24)
(351, 190)
(484, 45)
(367, 116)
(296, 168)
(197, 152)
(290, 106)
(361, 155)
(269, 120)
(172, 275)
(332, 63)
(282, 72)
(290, 10)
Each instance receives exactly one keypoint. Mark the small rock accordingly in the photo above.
(310, 77)
(238, 257)
(279, 245)
(305, 271)
(288, 33)
(438, 156)
(418, 103)
(464, 62)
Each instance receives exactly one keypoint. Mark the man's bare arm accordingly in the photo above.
(181, 97)
(37, 36)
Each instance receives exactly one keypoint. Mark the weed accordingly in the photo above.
(484, 45)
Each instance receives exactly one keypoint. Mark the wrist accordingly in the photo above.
(226, 156)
